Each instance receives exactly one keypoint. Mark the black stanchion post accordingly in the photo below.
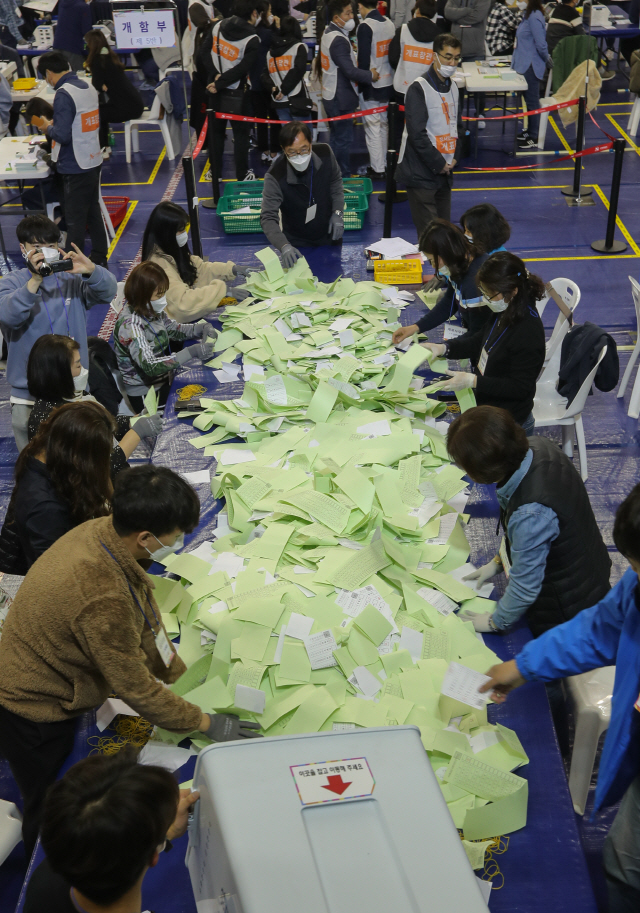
(213, 165)
(575, 195)
(391, 193)
(609, 245)
(192, 204)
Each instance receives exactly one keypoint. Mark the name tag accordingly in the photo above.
(311, 213)
(451, 330)
(482, 364)
(164, 648)
(506, 564)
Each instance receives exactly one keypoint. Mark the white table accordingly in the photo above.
(41, 90)
(500, 80)
(8, 69)
(9, 147)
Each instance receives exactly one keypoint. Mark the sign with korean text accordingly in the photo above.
(333, 781)
(149, 29)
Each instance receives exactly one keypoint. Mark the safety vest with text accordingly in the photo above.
(329, 68)
(415, 58)
(280, 66)
(442, 120)
(85, 137)
(382, 33)
(227, 54)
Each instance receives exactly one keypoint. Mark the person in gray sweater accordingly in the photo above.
(32, 305)
(469, 20)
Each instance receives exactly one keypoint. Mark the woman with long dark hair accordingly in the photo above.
(119, 99)
(196, 287)
(530, 59)
(456, 261)
(509, 350)
(55, 376)
(62, 479)
(486, 228)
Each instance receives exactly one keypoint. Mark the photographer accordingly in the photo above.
(49, 296)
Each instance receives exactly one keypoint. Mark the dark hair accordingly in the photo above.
(77, 440)
(290, 28)
(165, 222)
(487, 225)
(427, 8)
(145, 280)
(445, 40)
(534, 6)
(37, 230)
(54, 61)
(368, 4)
(505, 273)
(626, 529)
(102, 351)
(262, 6)
(199, 15)
(103, 822)
(487, 443)
(49, 368)
(336, 7)
(153, 498)
(96, 41)
(446, 242)
(244, 9)
(291, 130)
(38, 107)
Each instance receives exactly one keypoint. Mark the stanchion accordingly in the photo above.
(609, 246)
(212, 202)
(391, 193)
(575, 195)
(192, 204)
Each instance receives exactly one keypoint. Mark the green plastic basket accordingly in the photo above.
(358, 185)
(231, 188)
(242, 223)
(355, 206)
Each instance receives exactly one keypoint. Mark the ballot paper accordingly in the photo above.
(462, 684)
(299, 626)
(110, 709)
(232, 457)
(251, 699)
(201, 477)
(320, 649)
(392, 248)
(441, 603)
(365, 681)
(253, 371)
(460, 573)
(168, 756)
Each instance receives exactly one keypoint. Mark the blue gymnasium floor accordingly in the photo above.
(554, 239)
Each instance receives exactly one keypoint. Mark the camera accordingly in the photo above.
(56, 266)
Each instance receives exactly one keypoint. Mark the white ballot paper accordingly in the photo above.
(462, 684)
(320, 649)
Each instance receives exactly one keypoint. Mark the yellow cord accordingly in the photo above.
(492, 871)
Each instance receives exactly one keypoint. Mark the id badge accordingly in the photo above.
(164, 648)
(311, 213)
(506, 564)
(451, 330)
(482, 364)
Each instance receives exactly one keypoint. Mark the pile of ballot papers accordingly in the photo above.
(327, 597)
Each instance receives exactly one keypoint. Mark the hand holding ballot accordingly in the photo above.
(460, 380)
(503, 679)
(403, 333)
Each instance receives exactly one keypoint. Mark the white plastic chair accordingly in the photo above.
(118, 302)
(150, 118)
(570, 293)
(551, 409)
(590, 695)
(634, 118)
(10, 828)
(634, 402)
(43, 37)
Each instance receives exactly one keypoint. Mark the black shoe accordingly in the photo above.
(522, 135)
(527, 143)
(375, 175)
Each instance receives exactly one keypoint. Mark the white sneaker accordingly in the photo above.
(481, 124)
(250, 175)
(207, 176)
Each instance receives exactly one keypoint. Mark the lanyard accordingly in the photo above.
(488, 351)
(134, 595)
(158, 341)
(445, 104)
(311, 181)
(64, 308)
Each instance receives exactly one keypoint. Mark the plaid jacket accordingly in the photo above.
(143, 348)
(501, 29)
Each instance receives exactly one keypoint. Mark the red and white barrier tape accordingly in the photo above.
(317, 120)
(592, 150)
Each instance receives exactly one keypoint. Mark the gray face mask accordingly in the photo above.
(164, 550)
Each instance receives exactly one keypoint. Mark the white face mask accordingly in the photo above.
(159, 304)
(443, 270)
(446, 70)
(469, 238)
(80, 382)
(300, 162)
(271, 19)
(182, 238)
(498, 306)
(522, 4)
(349, 24)
(51, 253)
(165, 550)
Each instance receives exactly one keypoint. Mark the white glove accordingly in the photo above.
(460, 380)
(438, 348)
(484, 573)
(481, 622)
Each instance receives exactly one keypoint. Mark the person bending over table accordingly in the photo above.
(456, 261)
(304, 187)
(105, 824)
(552, 552)
(85, 623)
(606, 634)
(143, 335)
(196, 287)
(31, 306)
(486, 228)
(508, 351)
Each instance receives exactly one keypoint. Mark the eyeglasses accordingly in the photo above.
(450, 57)
(305, 151)
(488, 296)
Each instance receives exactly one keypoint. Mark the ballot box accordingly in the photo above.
(329, 822)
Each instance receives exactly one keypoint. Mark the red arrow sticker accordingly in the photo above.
(333, 781)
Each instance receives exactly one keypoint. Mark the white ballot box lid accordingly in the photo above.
(329, 822)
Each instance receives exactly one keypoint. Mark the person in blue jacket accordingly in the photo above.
(74, 21)
(607, 634)
(530, 59)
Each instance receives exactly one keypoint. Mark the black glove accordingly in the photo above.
(226, 727)
(148, 426)
(336, 226)
(239, 270)
(290, 255)
(203, 351)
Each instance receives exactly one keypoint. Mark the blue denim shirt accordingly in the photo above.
(530, 531)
